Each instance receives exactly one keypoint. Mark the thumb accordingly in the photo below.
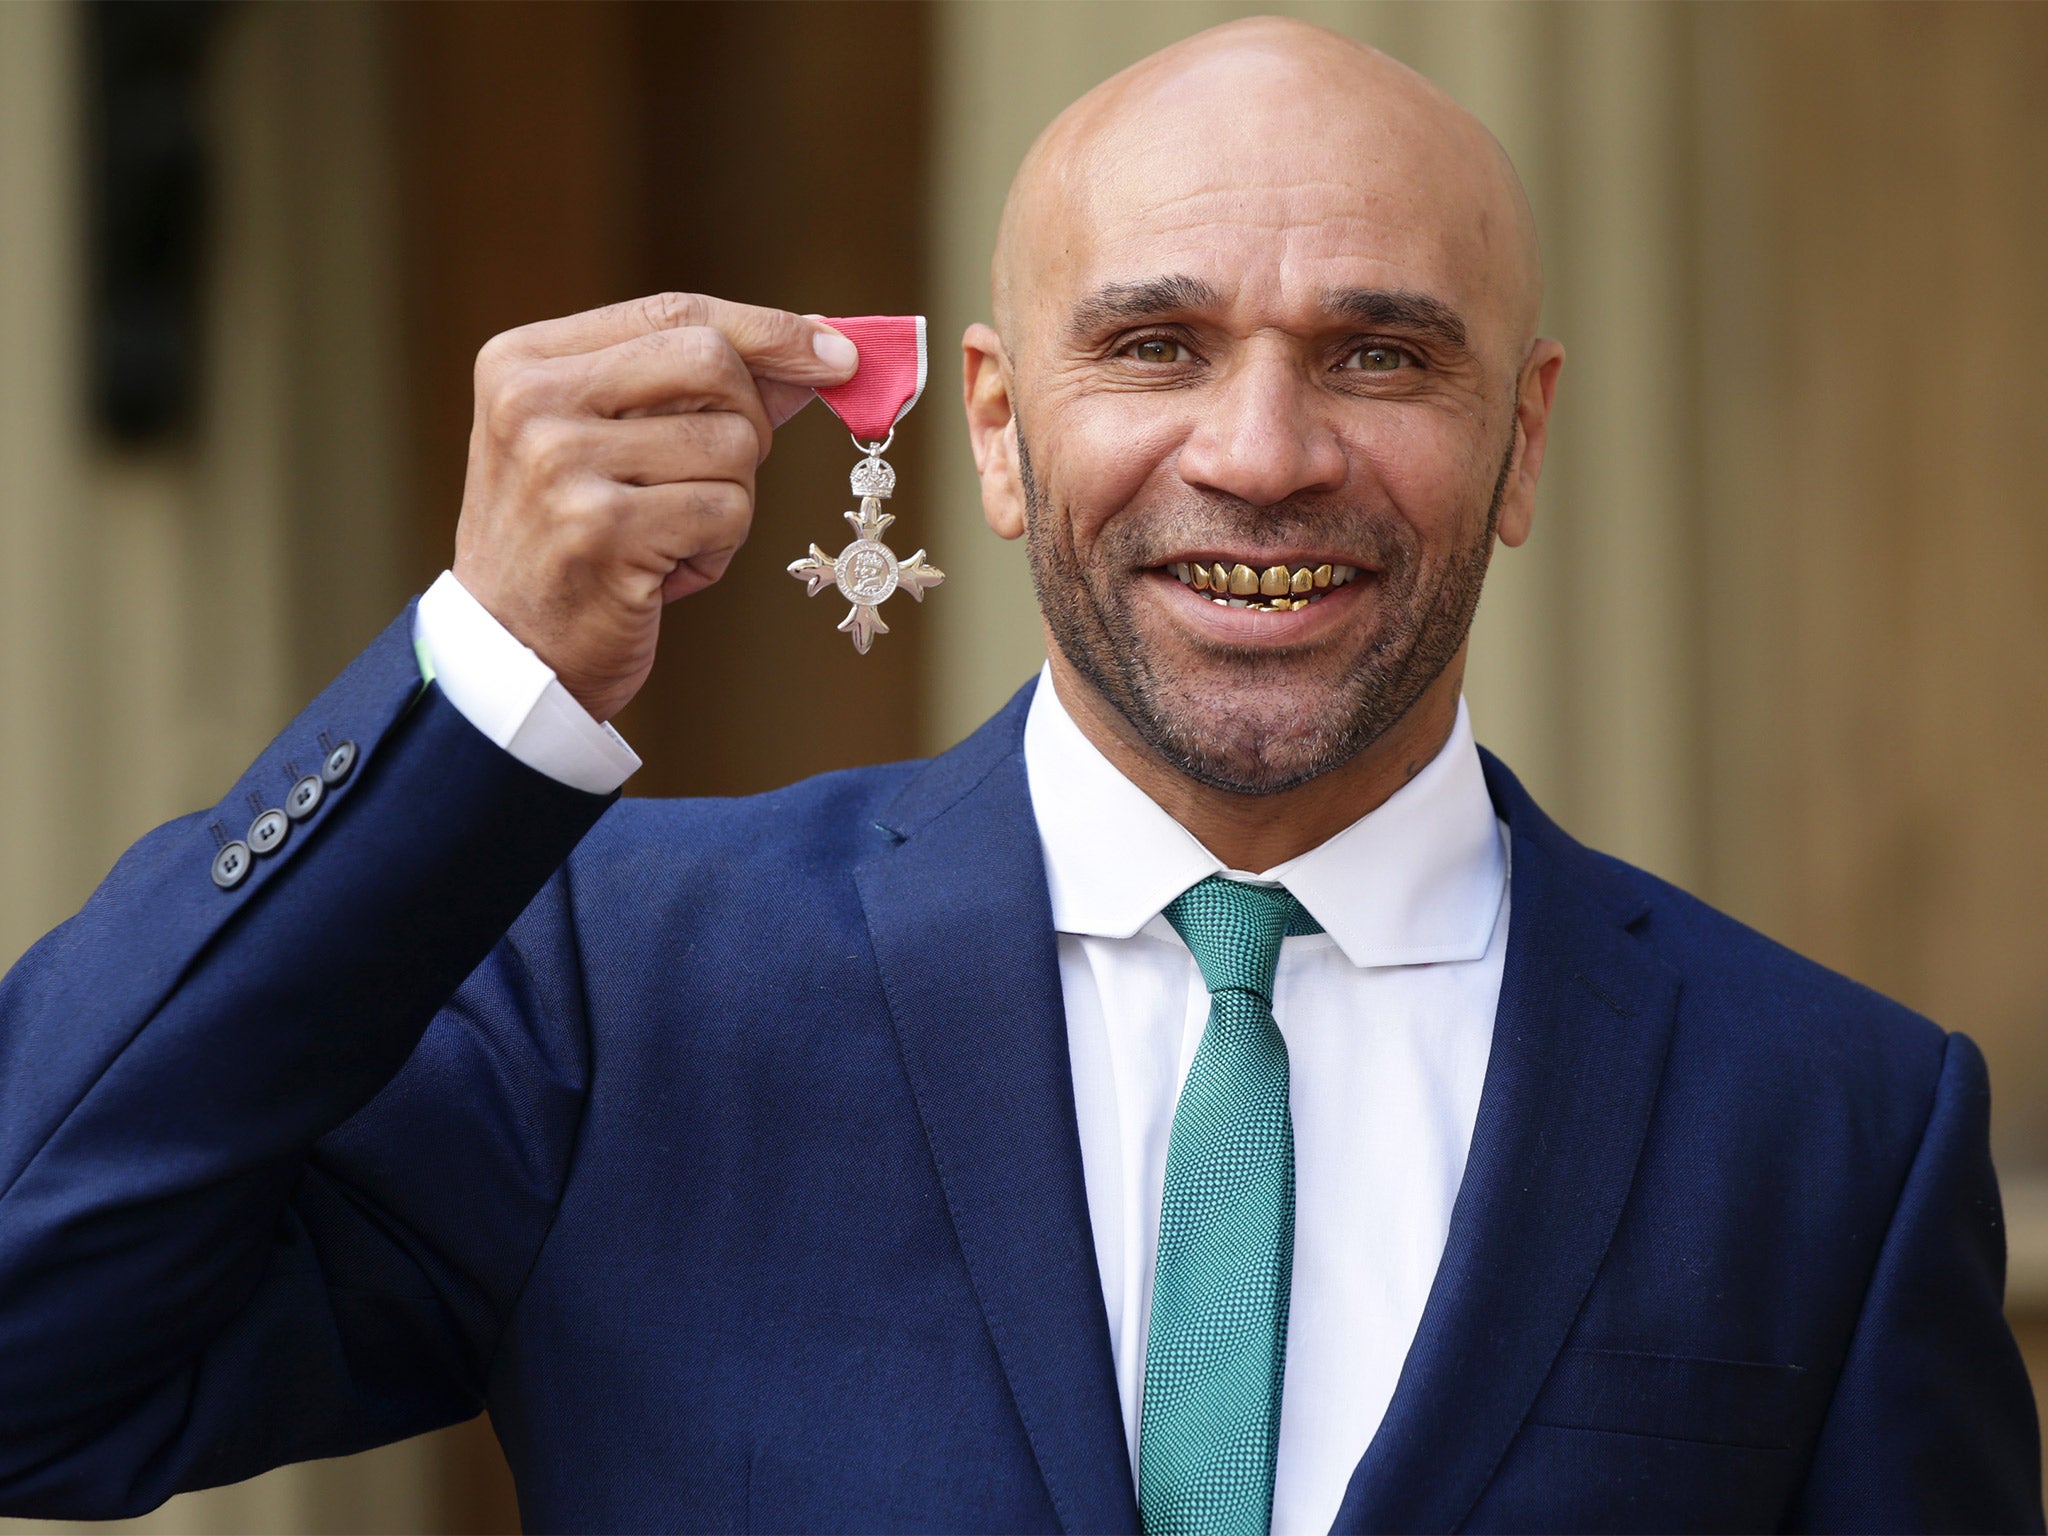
(791, 349)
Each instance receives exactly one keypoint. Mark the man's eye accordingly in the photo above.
(1158, 349)
(1378, 359)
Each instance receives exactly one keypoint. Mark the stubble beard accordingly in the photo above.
(1273, 725)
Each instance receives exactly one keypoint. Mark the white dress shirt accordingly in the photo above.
(1388, 1017)
(511, 695)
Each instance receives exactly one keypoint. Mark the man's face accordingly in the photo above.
(1268, 343)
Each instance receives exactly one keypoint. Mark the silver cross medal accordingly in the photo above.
(867, 571)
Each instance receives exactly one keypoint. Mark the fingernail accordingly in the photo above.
(835, 350)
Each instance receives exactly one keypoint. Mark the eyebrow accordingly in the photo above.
(1378, 308)
(1122, 303)
(1399, 309)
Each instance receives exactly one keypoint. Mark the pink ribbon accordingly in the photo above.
(889, 379)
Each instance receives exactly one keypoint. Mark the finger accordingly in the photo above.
(668, 372)
(775, 343)
(659, 450)
(785, 400)
(693, 575)
(701, 524)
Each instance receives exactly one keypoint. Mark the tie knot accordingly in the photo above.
(1234, 931)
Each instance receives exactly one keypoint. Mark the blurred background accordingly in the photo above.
(1780, 635)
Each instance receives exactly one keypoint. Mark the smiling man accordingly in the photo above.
(1312, 344)
(1212, 1097)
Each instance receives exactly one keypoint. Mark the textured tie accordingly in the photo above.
(1217, 1346)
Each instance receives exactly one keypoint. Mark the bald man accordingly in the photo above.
(1211, 1098)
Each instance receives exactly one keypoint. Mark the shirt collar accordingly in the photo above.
(1418, 880)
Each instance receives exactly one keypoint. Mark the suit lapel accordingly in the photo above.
(962, 929)
(1578, 1050)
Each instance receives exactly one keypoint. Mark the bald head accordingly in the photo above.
(1273, 122)
(1263, 395)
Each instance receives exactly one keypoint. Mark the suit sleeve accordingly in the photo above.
(1932, 1424)
(217, 1253)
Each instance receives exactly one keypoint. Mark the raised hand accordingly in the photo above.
(611, 470)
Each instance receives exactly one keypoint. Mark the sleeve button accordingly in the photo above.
(231, 865)
(305, 797)
(339, 763)
(267, 832)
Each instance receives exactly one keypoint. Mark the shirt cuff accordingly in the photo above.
(511, 695)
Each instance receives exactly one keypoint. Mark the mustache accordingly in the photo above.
(1197, 521)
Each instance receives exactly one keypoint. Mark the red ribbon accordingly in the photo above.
(889, 379)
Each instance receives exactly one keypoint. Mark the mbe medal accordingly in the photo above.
(878, 396)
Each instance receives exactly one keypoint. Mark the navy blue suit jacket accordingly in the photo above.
(725, 1150)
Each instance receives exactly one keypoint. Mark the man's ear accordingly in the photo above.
(992, 428)
(1534, 394)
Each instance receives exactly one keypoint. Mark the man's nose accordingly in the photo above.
(1262, 435)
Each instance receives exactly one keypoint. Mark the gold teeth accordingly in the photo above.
(1283, 589)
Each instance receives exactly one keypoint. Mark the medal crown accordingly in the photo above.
(873, 476)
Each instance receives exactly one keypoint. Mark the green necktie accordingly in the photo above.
(1217, 1346)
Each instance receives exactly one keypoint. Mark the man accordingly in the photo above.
(1211, 1095)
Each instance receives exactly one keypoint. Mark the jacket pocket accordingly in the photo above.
(1744, 1403)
